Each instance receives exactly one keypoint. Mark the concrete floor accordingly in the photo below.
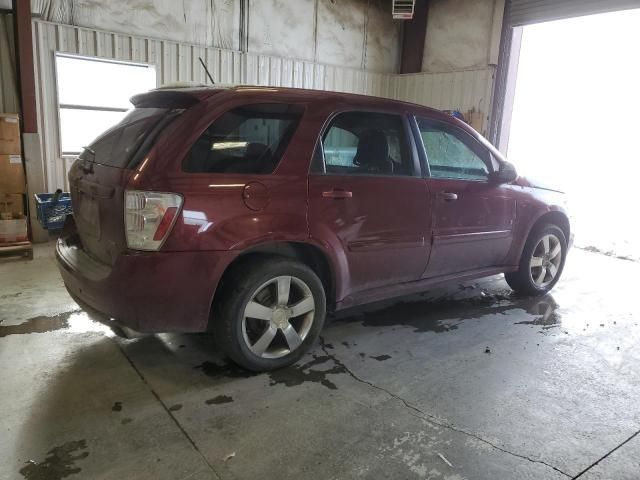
(404, 390)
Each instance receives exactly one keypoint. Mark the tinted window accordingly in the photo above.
(365, 143)
(248, 139)
(450, 153)
(117, 146)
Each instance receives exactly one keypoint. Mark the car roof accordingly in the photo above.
(202, 92)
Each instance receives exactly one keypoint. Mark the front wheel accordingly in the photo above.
(541, 263)
(271, 314)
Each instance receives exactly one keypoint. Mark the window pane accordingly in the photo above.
(117, 146)
(340, 147)
(249, 139)
(448, 155)
(78, 128)
(364, 143)
(101, 84)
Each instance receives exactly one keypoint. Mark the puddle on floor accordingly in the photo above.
(380, 358)
(59, 462)
(40, 324)
(440, 314)
(229, 370)
(298, 374)
(219, 400)
(74, 321)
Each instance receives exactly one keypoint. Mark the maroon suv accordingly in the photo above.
(251, 211)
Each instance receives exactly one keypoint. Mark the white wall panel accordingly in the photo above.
(463, 90)
(282, 27)
(340, 33)
(459, 35)
(214, 23)
(383, 38)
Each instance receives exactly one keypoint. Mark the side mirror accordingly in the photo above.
(506, 174)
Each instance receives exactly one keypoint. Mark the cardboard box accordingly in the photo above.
(14, 230)
(13, 223)
(11, 206)
(10, 134)
(12, 178)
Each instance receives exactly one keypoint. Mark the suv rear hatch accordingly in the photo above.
(99, 177)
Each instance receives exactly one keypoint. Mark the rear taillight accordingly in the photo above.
(149, 217)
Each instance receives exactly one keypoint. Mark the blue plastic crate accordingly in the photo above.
(52, 215)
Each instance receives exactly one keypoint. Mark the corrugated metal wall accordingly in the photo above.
(9, 102)
(464, 90)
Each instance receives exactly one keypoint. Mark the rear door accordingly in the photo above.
(98, 178)
(366, 194)
(473, 218)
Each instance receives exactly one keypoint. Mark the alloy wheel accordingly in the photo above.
(278, 317)
(545, 260)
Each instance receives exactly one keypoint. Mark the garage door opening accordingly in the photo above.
(575, 122)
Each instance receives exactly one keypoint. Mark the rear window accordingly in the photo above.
(249, 139)
(126, 143)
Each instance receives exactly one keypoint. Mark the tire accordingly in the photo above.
(530, 279)
(253, 290)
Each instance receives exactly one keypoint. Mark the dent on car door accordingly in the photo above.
(473, 217)
(366, 194)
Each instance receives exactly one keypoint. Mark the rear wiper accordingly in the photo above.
(87, 168)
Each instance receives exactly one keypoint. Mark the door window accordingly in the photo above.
(366, 143)
(248, 139)
(450, 154)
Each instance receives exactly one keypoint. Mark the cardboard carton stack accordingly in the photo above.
(13, 221)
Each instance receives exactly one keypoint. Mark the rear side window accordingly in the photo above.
(366, 143)
(249, 139)
(120, 145)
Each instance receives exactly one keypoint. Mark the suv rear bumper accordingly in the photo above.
(148, 292)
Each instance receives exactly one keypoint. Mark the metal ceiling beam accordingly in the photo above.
(414, 34)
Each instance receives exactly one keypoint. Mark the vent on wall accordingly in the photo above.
(403, 9)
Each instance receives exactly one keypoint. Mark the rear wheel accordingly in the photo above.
(542, 262)
(271, 314)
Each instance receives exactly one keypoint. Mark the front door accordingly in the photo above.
(367, 198)
(473, 218)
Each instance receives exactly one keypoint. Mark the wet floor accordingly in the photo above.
(468, 381)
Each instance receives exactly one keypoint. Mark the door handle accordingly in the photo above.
(336, 194)
(448, 196)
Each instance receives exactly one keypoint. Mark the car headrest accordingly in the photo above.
(373, 151)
